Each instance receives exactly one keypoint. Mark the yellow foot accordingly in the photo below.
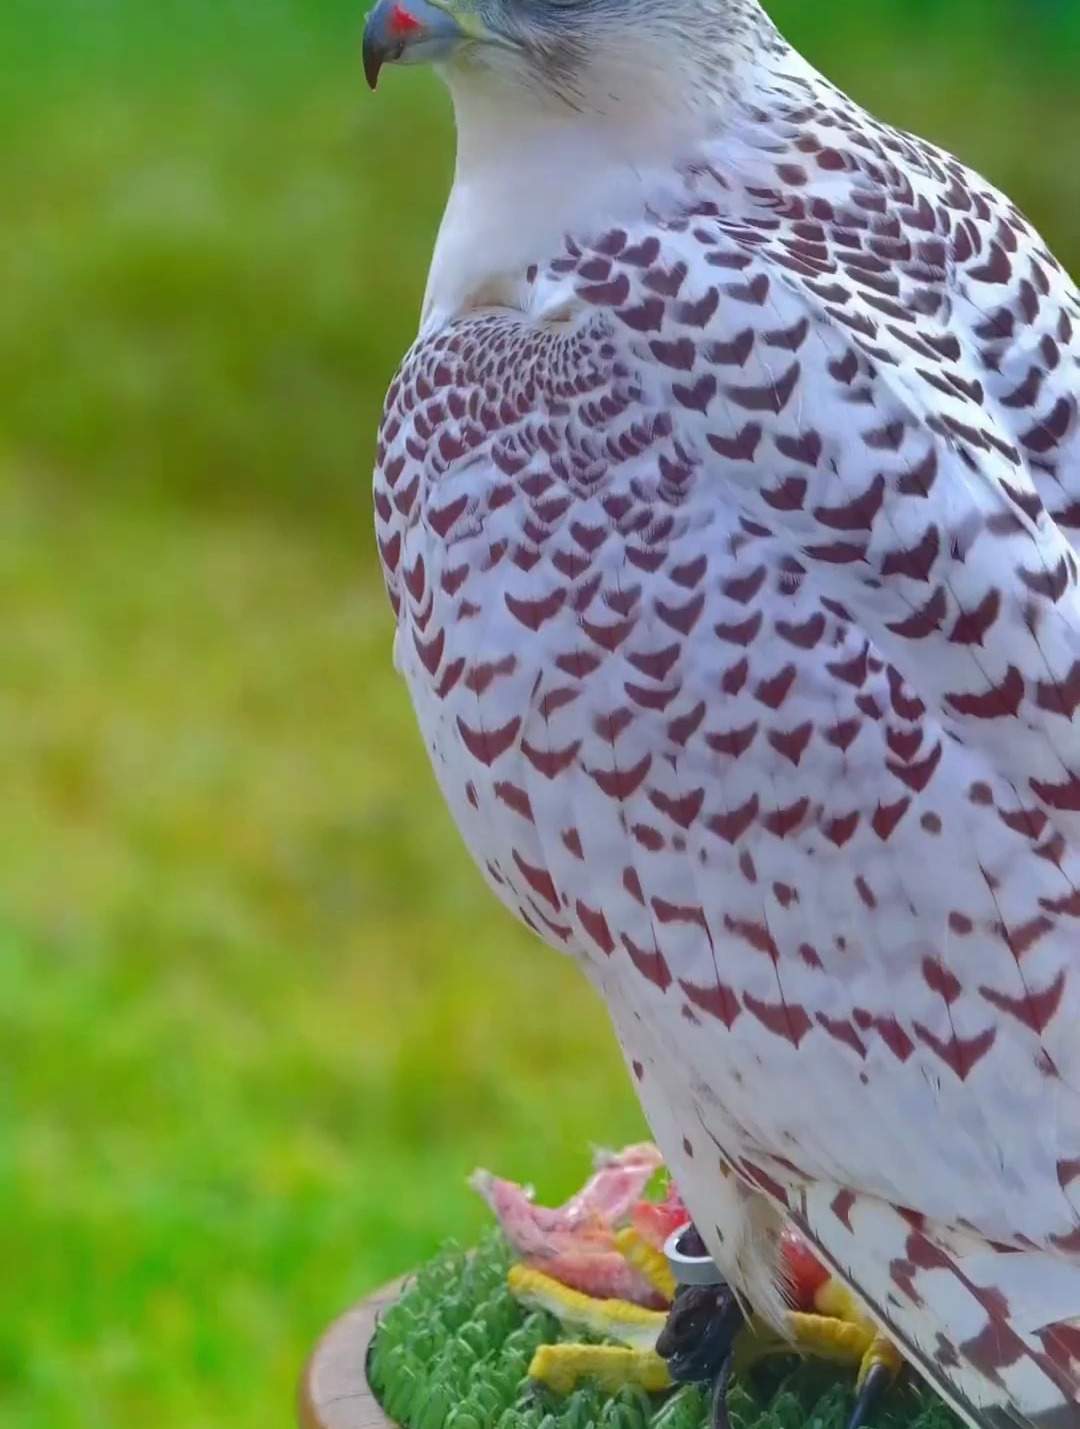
(822, 1337)
(837, 1330)
(563, 1367)
(632, 1325)
(883, 1354)
(840, 1332)
(880, 1354)
(645, 1258)
(879, 1369)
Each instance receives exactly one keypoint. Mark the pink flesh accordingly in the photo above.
(605, 1275)
(604, 1201)
(654, 1221)
(615, 1186)
(574, 1243)
(527, 1227)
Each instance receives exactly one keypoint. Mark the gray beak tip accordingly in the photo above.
(410, 30)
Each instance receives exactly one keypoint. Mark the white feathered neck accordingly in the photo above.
(520, 186)
(528, 172)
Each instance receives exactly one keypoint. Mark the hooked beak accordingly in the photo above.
(410, 32)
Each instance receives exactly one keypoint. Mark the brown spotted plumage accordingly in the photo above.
(728, 506)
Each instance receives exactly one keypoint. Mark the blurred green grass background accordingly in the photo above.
(258, 1015)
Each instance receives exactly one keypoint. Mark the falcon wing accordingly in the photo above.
(893, 391)
(890, 388)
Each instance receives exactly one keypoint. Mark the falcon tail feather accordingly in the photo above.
(994, 1329)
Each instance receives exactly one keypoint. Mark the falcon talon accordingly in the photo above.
(718, 1410)
(875, 1386)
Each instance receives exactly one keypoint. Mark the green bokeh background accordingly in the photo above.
(258, 1015)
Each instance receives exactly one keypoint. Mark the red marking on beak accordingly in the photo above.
(402, 23)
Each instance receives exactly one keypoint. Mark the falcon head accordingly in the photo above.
(589, 55)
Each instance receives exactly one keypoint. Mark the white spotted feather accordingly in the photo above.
(732, 555)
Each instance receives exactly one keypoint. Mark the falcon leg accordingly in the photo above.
(698, 1339)
(698, 1342)
(707, 1336)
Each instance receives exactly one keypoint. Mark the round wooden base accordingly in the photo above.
(334, 1392)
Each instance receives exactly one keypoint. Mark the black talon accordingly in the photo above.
(718, 1415)
(874, 1389)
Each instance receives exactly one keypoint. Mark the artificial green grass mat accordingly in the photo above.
(453, 1353)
